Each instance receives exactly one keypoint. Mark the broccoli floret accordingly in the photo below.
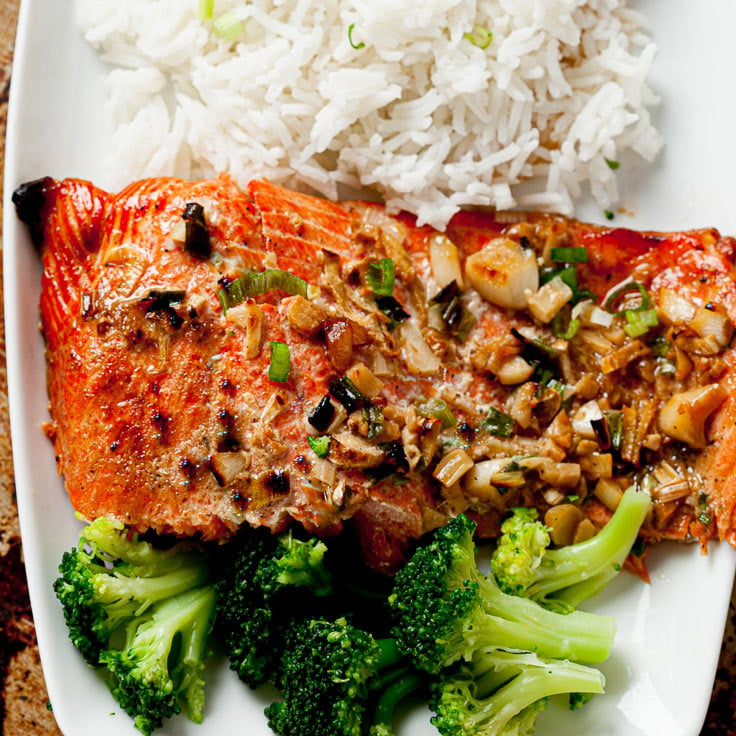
(338, 680)
(112, 577)
(445, 609)
(161, 664)
(562, 578)
(264, 582)
(143, 614)
(519, 550)
(502, 693)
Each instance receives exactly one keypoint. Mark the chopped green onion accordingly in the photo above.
(608, 214)
(380, 277)
(613, 301)
(391, 307)
(639, 321)
(704, 516)
(479, 36)
(280, 365)
(615, 425)
(196, 233)
(568, 274)
(438, 409)
(253, 283)
(455, 316)
(320, 445)
(564, 326)
(322, 415)
(345, 391)
(373, 415)
(569, 255)
(498, 423)
(228, 26)
(350, 38)
(661, 347)
(205, 9)
(613, 165)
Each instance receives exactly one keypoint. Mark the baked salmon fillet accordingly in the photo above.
(219, 357)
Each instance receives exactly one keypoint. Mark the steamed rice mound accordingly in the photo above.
(431, 105)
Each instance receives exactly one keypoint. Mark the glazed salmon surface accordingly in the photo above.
(163, 414)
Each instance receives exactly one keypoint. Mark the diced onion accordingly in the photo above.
(420, 360)
(452, 467)
(547, 301)
(444, 261)
(674, 309)
(249, 317)
(683, 417)
(581, 420)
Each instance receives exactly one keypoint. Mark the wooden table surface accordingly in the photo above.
(23, 699)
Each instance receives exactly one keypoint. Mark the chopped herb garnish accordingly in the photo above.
(568, 274)
(380, 277)
(373, 416)
(564, 325)
(197, 235)
(619, 302)
(344, 390)
(320, 445)
(438, 409)
(456, 318)
(661, 347)
(205, 9)
(280, 365)
(608, 214)
(479, 36)
(254, 283)
(613, 165)
(350, 38)
(322, 415)
(569, 255)
(615, 425)
(392, 309)
(639, 322)
(228, 26)
(498, 424)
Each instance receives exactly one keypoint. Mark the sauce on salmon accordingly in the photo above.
(516, 359)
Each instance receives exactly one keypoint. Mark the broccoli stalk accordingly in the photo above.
(264, 582)
(502, 693)
(338, 680)
(523, 564)
(444, 610)
(161, 663)
(142, 614)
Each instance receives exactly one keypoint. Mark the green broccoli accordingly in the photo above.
(264, 582)
(339, 680)
(523, 564)
(444, 610)
(142, 614)
(502, 692)
(161, 664)
(113, 577)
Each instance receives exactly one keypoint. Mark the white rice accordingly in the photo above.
(418, 114)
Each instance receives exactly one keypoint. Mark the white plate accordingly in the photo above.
(661, 673)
